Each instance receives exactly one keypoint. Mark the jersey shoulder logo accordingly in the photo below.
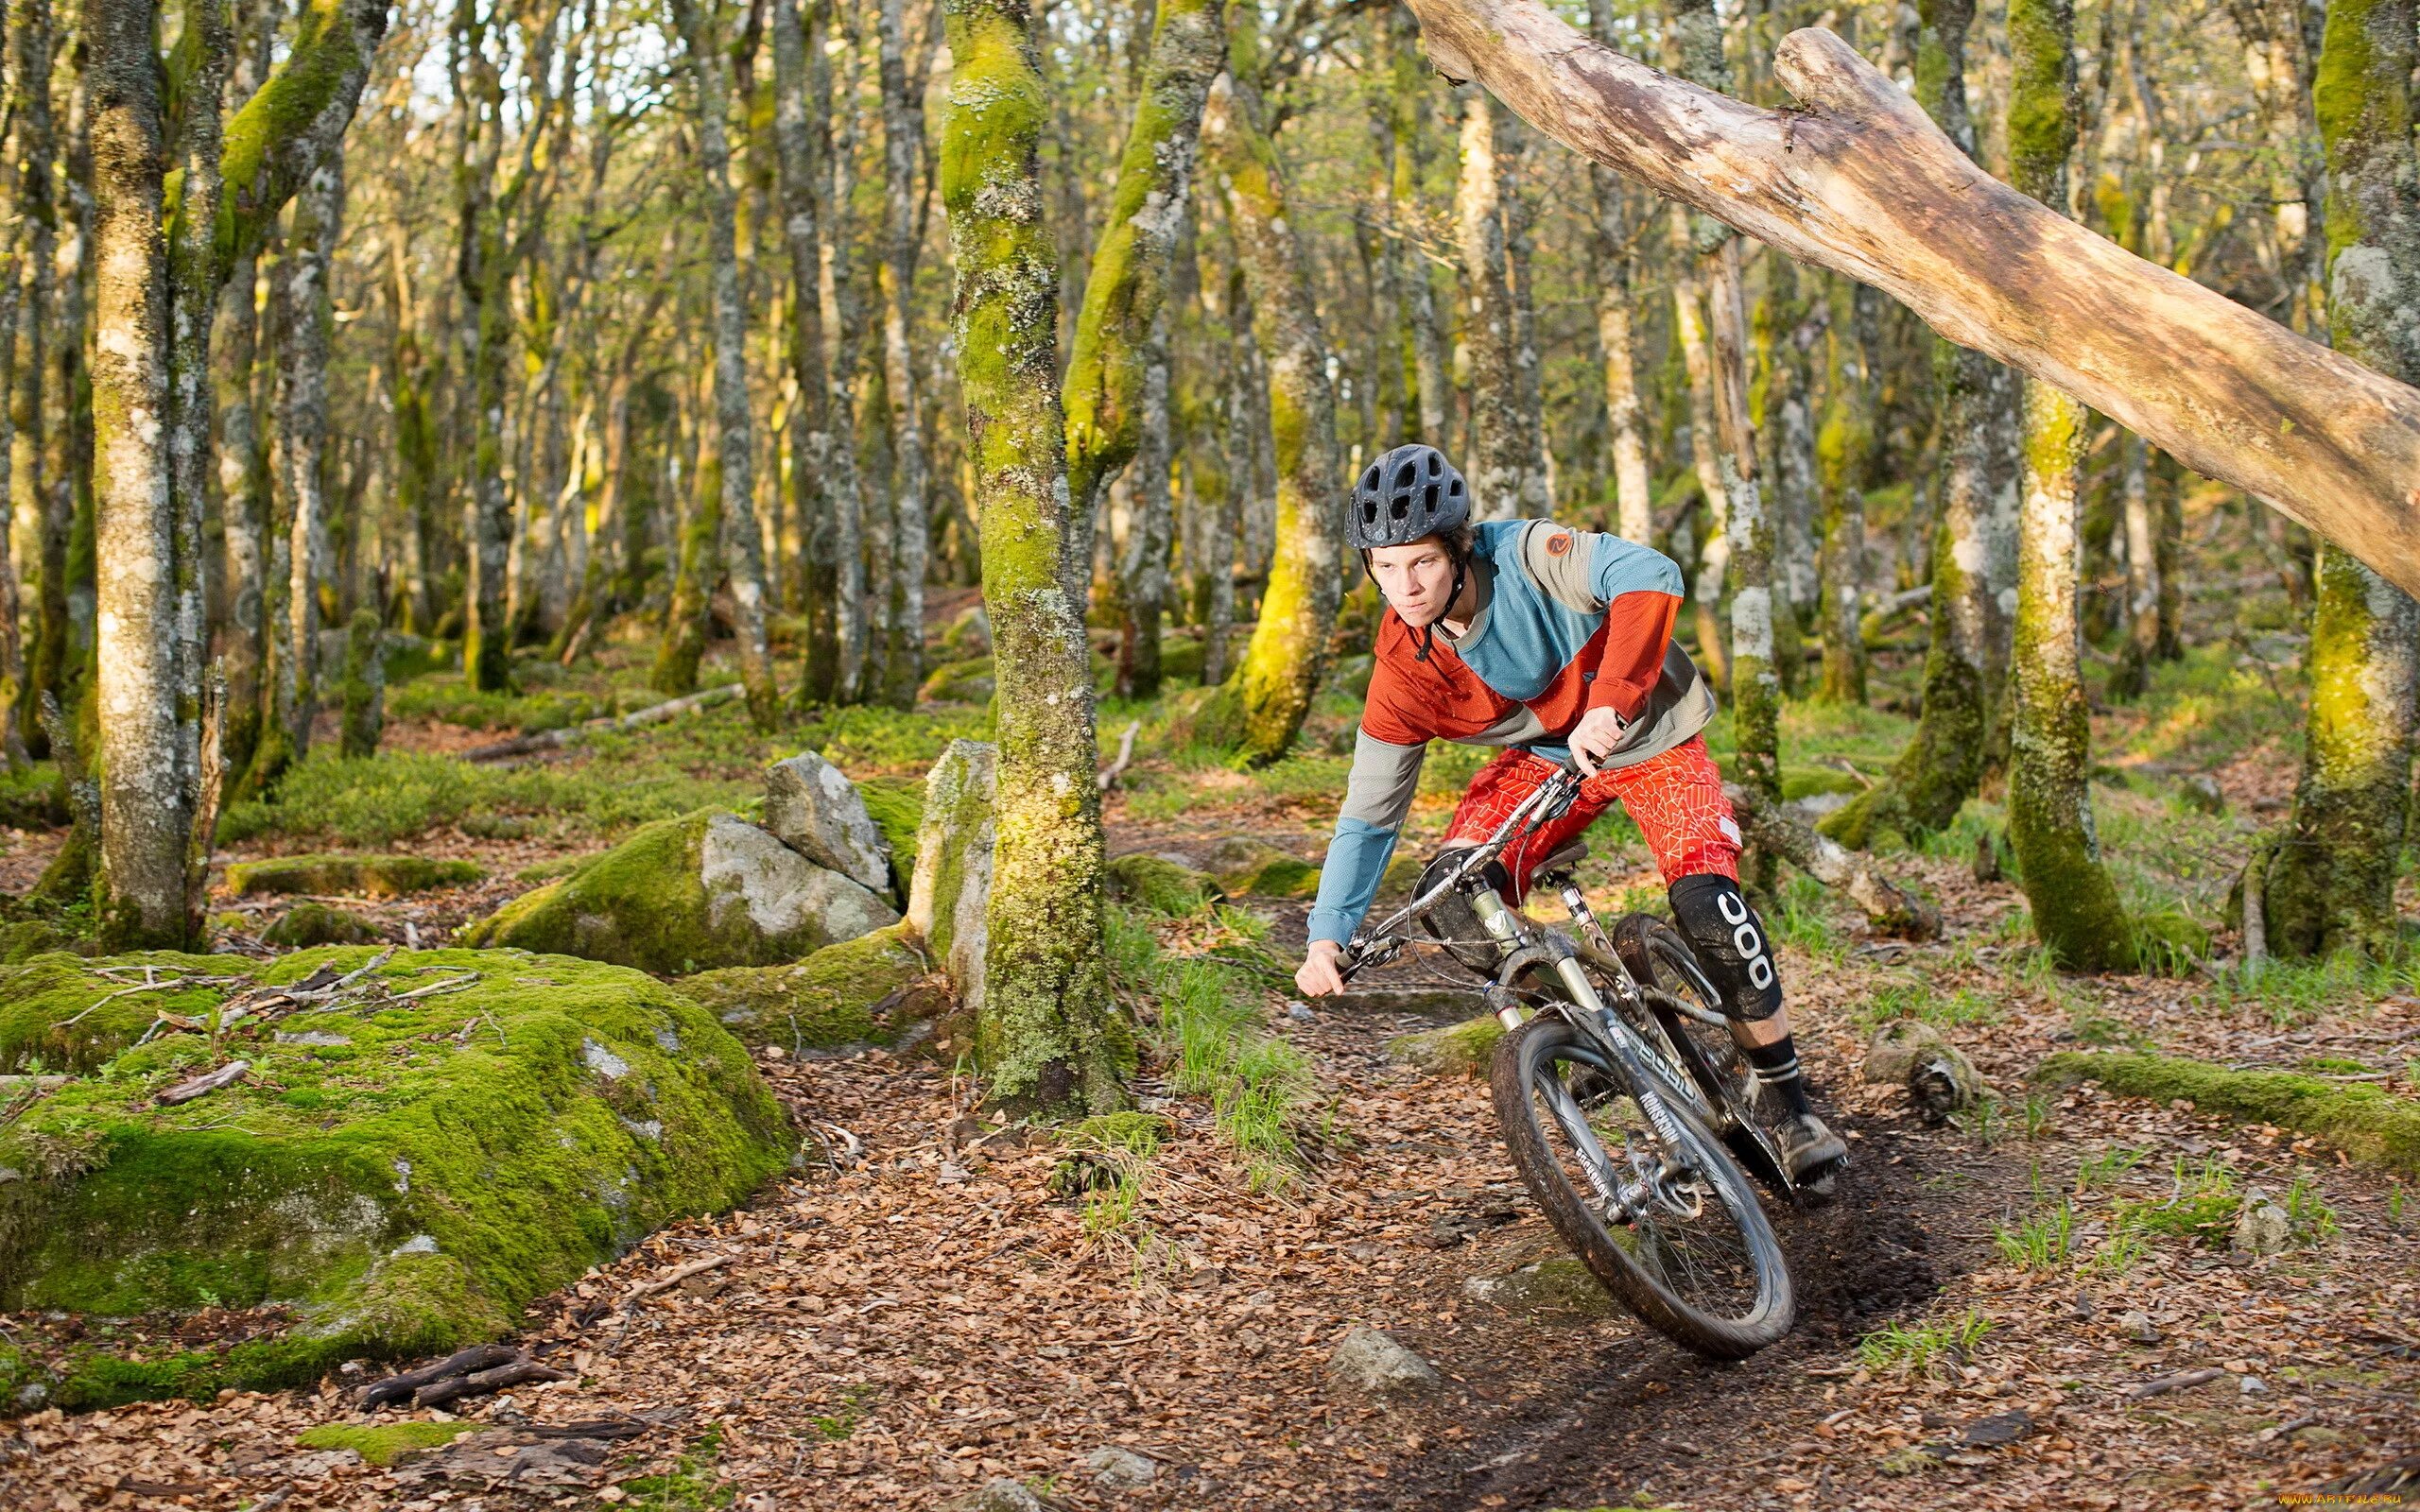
(1558, 543)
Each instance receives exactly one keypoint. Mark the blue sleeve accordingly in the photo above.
(1357, 861)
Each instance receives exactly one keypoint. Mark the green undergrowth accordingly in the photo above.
(371, 876)
(403, 1173)
(2360, 1119)
(2292, 992)
(691, 1484)
(385, 1443)
(1918, 1349)
(1212, 1033)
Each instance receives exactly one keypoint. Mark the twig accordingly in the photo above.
(1125, 756)
(666, 1283)
(557, 739)
(124, 991)
(2180, 1381)
(202, 1085)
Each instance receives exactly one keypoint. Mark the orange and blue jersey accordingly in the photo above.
(1568, 620)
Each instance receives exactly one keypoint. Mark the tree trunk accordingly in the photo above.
(902, 133)
(1051, 1039)
(1841, 451)
(1862, 182)
(418, 482)
(2076, 910)
(1115, 391)
(1432, 386)
(1942, 762)
(687, 613)
(487, 525)
(2332, 883)
(301, 433)
(12, 651)
(1290, 646)
(1504, 441)
(37, 430)
(145, 733)
(823, 460)
(743, 552)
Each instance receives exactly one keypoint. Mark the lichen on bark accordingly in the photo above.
(1263, 705)
(1048, 1037)
(2332, 882)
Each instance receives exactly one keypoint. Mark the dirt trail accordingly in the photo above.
(930, 1316)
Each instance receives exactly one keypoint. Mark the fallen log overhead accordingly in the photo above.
(1862, 182)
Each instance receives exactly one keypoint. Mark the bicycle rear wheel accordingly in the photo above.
(1662, 1216)
(1658, 956)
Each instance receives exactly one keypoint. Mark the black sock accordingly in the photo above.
(1777, 1068)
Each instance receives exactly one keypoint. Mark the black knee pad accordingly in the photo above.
(1730, 942)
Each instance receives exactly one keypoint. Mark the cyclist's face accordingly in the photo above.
(1418, 579)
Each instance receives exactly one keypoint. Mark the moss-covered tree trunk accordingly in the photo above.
(1050, 1040)
(687, 613)
(743, 551)
(2332, 883)
(823, 461)
(304, 320)
(2076, 909)
(12, 650)
(485, 280)
(34, 202)
(903, 129)
(2140, 520)
(419, 483)
(1115, 392)
(1625, 425)
(1705, 442)
(1408, 132)
(1843, 447)
(1942, 762)
(1497, 455)
(1290, 646)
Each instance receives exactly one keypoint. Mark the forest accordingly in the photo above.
(675, 680)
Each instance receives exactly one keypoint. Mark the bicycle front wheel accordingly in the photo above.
(1654, 1207)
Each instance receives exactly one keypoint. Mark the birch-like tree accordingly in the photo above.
(1051, 1039)
(1271, 692)
(1116, 389)
(2332, 883)
(2076, 909)
(741, 547)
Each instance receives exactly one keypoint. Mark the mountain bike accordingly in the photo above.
(1625, 1104)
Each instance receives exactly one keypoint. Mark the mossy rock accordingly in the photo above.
(403, 1174)
(950, 889)
(2363, 1121)
(853, 993)
(1247, 867)
(1162, 883)
(1557, 1289)
(1457, 1050)
(307, 924)
(967, 681)
(386, 1443)
(699, 893)
(1395, 883)
(353, 876)
(52, 1016)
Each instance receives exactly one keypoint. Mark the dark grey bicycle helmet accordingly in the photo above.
(1409, 493)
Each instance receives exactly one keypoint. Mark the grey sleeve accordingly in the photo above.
(1384, 779)
(1563, 561)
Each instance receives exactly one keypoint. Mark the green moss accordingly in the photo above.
(2364, 1121)
(364, 684)
(384, 1443)
(645, 904)
(826, 1002)
(967, 681)
(1163, 886)
(2042, 107)
(896, 805)
(367, 876)
(60, 1013)
(404, 1174)
(1457, 1050)
(307, 924)
(1246, 867)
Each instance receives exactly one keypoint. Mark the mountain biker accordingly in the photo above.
(1547, 641)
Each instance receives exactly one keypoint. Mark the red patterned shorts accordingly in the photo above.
(1675, 798)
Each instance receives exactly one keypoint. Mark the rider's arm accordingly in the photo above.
(1637, 588)
(1377, 798)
